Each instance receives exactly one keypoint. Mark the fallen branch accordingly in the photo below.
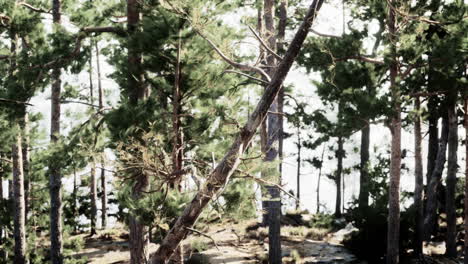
(228, 165)
(203, 234)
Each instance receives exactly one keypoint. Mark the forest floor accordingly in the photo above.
(236, 243)
(226, 243)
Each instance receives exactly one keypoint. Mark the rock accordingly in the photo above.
(339, 236)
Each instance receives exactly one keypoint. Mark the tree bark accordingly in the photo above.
(338, 175)
(433, 118)
(227, 166)
(393, 230)
(364, 168)
(466, 178)
(137, 92)
(419, 181)
(283, 19)
(18, 189)
(55, 179)
(430, 217)
(451, 181)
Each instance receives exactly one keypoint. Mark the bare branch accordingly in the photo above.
(246, 75)
(14, 101)
(4, 57)
(362, 58)
(33, 8)
(115, 30)
(78, 102)
(240, 66)
(203, 234)
(412, 17)
(265, 45)
(323, 34)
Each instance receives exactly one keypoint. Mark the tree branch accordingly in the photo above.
(14, 101)
(262, 42)
(78, 102)
(4, 57)
(33, 8)
(323, 34)
(246, 75)
(362, 58)
(240, 66)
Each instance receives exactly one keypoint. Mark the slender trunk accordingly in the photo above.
(283, 17)
(19, 206)
(2, 229)
(75, 199)
(103, 170)
(93, 182)
(318, 180)
(176, 105)
(419, 181)
(103, 197)
(452, 167)
(430, 217)
(466, 178)
(364, 168)
(137, 92)
(433, 118)
(338, 175)
(298, 203)
(227, 166)
(273, 129)
(393, 231)
(55, 179)
(93, 192)
(26, 165)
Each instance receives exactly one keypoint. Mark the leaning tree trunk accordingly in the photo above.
(228, 165)
(19, 207)
(137, 92)
(466, 179)
(55, 179)
(419, 181)
(430, 216)
(393, 230)
(452, 167)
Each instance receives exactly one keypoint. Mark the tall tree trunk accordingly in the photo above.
(228, 165)
(273, 208)
(430, 216)
(452, 167)
(298, 202)
(55, 179)
(93, 180)
(3, 253)
(283, 19)
(137, 92)
(338, 175)
(18, 189)
(466, 178)
(26, 165)
(318, 180)
(75, 198)
(93, 193)
(395, 161)
(364, 168)
(433, 118)
(103, 165)
(419, 181)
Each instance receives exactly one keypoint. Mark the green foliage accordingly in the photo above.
(322, 221)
